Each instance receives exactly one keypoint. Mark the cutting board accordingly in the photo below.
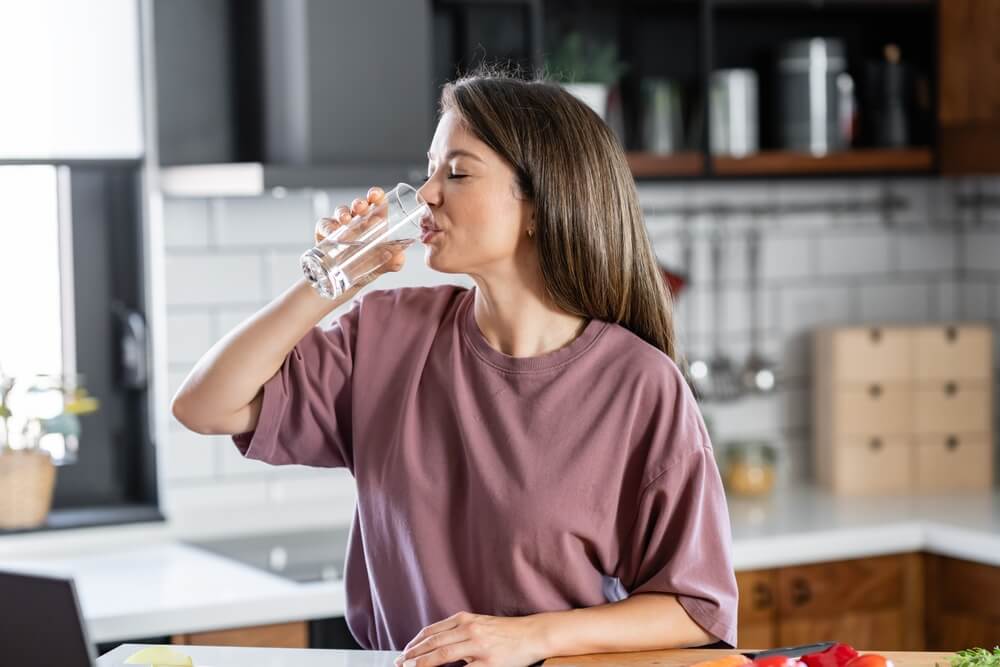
(684, 657)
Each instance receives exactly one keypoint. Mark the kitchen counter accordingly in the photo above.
(275, 657)
(163, 587)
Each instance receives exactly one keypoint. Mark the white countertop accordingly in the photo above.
(222, 656)
(141, 582)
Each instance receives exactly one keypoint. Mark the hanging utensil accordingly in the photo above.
(758, 372)
(697, 365)
(723, 376)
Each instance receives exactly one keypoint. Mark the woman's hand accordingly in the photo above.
(496, 641)
(343, 215)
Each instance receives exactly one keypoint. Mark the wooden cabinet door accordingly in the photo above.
(870, 603)
(757, 609)
(280, 635)
(968, 96)
(963, 604)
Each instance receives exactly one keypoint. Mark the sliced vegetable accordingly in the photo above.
(159, 656)
(870, 660)
(837, 655)
(727, 661)
(778, 661)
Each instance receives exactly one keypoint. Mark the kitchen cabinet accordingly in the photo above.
(969, 104)
(963, 604)
(279, 635)
(866, 602)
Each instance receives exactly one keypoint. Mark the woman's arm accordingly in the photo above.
(222, 393)
(642, 622)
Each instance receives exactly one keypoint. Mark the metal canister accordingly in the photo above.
(733, 112)
(816, 96)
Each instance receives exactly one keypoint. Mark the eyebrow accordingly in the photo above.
(457, 151)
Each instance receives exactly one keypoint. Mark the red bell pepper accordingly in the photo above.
(837, 655)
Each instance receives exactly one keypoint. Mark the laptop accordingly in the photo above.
(41, 623)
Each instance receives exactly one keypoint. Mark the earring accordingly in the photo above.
(531, 233)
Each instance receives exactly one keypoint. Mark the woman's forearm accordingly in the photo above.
(643, 622)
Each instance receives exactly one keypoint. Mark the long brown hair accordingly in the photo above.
(595, 255)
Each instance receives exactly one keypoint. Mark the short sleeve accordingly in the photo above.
(681, 543)
(305, 416)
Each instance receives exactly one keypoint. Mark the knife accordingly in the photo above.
(791, 651)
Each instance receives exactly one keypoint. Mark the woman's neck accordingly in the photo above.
(519, 321)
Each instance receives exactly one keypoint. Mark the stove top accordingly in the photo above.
(303, 556)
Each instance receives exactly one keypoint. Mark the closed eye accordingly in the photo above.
(453, 176)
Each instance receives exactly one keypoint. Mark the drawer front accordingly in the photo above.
(878, 408)
(758, 596)
(824, 589)
(952, 407)
(954, 462)
(880, 354)
(873, 465)
(954, 352)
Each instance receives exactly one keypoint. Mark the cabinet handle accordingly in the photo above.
(950, 389)
(951, 443)
(875, 444)
(951, 334)
(801, 594)
(876, 335)
(762, 597)
(875, 390)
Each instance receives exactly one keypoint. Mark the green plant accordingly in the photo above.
(977, 657)
(583, 61)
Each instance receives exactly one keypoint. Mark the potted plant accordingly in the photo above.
(50, 405)
(587, 69)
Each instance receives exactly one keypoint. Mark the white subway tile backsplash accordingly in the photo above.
(267, 221)
(189, 335)
(219, 279)
(946, 300)
(903, 302)
(926, 251)
(786, 258)
(853, 254)
(979, 299)
(282, 270)
(805, 306)
(189, 456)
(981, 250)
(186, 223)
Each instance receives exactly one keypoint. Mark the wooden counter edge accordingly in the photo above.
(684, 657)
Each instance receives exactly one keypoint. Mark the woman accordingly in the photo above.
(534, 476)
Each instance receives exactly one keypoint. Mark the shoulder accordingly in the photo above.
(417, 302)
(669, 421)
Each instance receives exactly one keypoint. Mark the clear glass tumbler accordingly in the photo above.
(352, 252)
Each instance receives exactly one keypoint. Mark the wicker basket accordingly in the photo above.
(27, 478)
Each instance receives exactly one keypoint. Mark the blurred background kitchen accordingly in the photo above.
(819, 181)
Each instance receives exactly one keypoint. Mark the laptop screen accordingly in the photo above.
(40, 622)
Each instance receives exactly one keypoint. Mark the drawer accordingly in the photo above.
(953, 352)
(963, 406)
(872, 465)
(867, 354)
(961, 462)
(878, 408)
(832, 588)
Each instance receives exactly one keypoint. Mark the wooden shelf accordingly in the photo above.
(652, 165)
(857, 161)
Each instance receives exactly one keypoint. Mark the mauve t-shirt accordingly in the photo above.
(501, 485)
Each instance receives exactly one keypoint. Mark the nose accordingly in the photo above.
(430, 192)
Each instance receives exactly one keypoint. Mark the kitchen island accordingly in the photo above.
(218, 656)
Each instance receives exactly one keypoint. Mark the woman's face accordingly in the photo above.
(475, 204)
